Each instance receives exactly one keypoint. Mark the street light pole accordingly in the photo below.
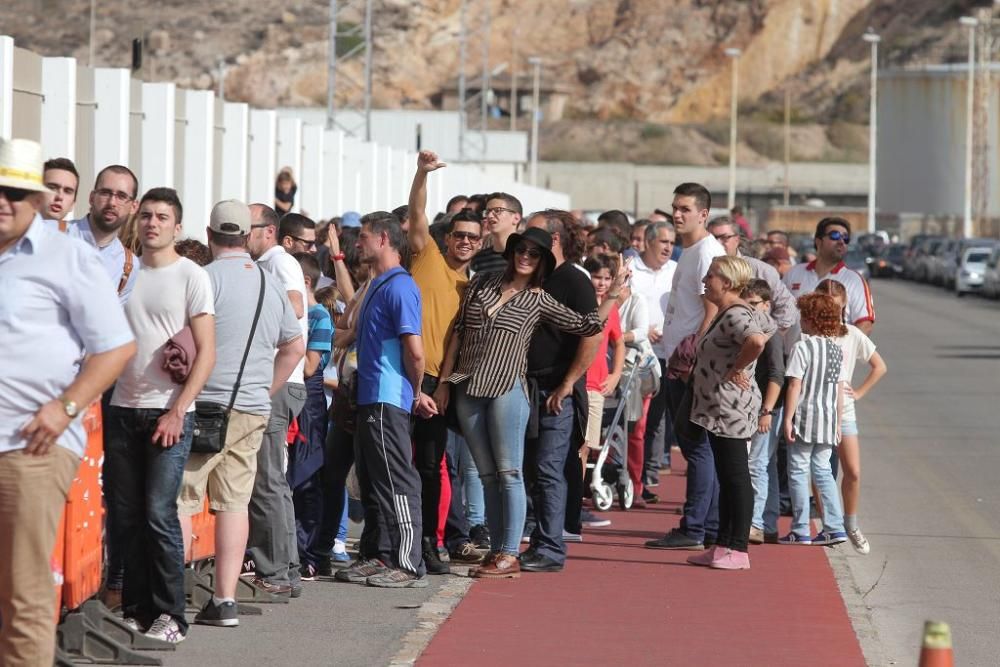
(872, 39)
(537, 64)
(970, 23)
(90, 46)
(734, 54)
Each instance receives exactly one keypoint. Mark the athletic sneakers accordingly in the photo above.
(165, 629)
(571, 537)
(134, 624)
(393, 578)
(360, 571)
(756, 535)
(706, 557)
(223, 615)
(466, 553)
(859, 541)
(249, 568)
(591, 520)
(795, 538)
(308, 572)
(828, 539)
(676, 540)
(730, 559)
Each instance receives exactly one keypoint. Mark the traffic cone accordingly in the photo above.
(936, 649)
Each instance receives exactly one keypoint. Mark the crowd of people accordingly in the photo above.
(296, 374)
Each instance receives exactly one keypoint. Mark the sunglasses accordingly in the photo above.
(839, 236)
(307, 243)
(468, 236)
(14, 195)
(533, 253)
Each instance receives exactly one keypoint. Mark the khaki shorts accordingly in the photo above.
(227, 476)
(595, 415)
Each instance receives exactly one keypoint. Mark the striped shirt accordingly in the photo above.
(816, 360)
(493, 352)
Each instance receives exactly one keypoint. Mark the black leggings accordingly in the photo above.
(735, 491)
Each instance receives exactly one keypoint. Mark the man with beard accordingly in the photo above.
(112, 203)
(442, 279)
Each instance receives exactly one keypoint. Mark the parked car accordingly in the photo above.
(896, 257)
(878, 262)
(939, 265)
(855, 259)
(969, 275)
(991, 275)
(919, 265)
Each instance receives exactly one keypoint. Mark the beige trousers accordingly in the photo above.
(33, 493)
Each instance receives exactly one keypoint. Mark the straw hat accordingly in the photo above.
(21, 165)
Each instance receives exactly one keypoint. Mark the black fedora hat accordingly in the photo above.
(539, 237)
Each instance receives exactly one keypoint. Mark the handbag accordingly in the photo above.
(683, 426)
(211, 420)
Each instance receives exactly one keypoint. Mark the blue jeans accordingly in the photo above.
(475, 502)
(764, 476)
(494, 429)
(803, 458)
(141, 482)
(549, 452)
(701, 503)
(466, 493)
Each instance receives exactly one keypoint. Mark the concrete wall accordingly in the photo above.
(209, 150)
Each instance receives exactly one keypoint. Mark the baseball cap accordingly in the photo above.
(350, 219)
(230, 217)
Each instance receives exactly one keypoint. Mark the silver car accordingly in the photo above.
(991, 276)
(971, 270)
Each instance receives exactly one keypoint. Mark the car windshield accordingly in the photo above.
(978, 257)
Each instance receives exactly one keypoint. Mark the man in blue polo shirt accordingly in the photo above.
(390, 370)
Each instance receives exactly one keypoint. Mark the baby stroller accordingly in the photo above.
(609, 472)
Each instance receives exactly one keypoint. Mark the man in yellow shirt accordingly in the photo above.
(442, 278)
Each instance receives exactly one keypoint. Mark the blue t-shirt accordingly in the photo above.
(391, 309)
(320, 333)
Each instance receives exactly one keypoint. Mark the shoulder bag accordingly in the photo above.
(211, 420)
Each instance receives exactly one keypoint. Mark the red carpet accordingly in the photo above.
(617, 603)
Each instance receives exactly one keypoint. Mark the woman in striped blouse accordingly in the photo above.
(490, 342)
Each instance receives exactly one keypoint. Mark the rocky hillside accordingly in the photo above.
(654, 69)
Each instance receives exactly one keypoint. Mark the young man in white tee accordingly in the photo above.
(273, 546)
(688, 312)
(150, 418)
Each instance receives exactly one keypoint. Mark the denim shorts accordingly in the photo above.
(848, 428)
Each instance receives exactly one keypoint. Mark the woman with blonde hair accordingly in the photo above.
(725, 402)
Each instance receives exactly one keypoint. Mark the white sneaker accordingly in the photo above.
(165, 629)
(859, 541)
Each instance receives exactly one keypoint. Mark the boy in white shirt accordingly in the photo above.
(150, 418)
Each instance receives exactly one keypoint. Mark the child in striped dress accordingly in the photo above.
(814, 403)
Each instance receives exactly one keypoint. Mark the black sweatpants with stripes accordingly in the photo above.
(383, 433)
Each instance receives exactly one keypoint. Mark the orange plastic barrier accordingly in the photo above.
(84, 558)
(77, 559)
(202, 534)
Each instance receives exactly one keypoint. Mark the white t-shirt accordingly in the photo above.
(654, 287)
(286, 269)
(686, 310)
(163, 302)
(802, 279)
(856, 345)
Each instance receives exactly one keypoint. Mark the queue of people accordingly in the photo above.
(406, 360)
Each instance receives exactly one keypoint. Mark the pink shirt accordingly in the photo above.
(598, 371)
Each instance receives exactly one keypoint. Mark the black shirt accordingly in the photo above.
(771, 367)
(488, 260)
(552, 352)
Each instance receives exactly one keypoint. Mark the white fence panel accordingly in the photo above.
(312, 198)
(232, 153)
(59, 107)
(263, 144)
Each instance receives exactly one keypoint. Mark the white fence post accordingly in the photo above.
(112, 99)
(159, 119)
(290, 150)
(263, 137)
(311, 192)
(6, 86)
(195, 169)
(231, 154)
(333, 173)
(59, 107)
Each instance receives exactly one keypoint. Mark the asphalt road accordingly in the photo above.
(930, 504)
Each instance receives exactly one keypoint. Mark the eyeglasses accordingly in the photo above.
(839, 236)
(119, 196)
(523, 249)
(722, 238)
(497, 210)
(306, 242)
(14, 195)
(755, 302)
(467, 236)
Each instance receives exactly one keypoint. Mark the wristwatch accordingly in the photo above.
(69, 407)
(766, 413)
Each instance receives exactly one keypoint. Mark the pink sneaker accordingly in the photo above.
(706, 557)
(731, 560)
